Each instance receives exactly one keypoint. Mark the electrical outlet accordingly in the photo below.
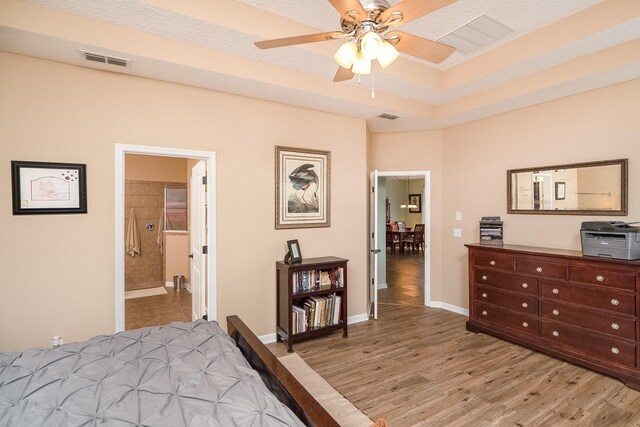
(457, 232)
(458, 216)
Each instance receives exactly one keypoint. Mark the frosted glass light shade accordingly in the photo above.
(346, 55)
(388, 54)
(361, 65)
(371, 45)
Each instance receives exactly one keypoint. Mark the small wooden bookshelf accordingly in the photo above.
(311, 299)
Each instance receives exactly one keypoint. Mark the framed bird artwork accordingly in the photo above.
(303, 190)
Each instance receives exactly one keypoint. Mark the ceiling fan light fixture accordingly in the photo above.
(371, 45)
(361, 65)
(388, 55)
(346, 55)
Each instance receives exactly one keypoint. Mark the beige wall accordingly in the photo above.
(60, 287)
(155, 168)
(469, 164)
(176, 250)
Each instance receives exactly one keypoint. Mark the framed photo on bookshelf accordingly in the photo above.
(295, 255)
(48, 188)
(303, 188)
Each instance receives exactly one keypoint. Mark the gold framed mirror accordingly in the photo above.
(593, 188)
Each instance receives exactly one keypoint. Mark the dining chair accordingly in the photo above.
(416, 240)
(392, 239)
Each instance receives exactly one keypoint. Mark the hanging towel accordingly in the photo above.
(132, 243)
(160, 230)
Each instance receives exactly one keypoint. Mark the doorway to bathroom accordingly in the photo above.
(165, 269)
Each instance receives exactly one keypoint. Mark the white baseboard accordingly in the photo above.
(269, 338)
(450, 307)
(382, 286)
(168, 284)
(187, 286)
(357, 318)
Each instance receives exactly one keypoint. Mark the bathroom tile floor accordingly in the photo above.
(158, 310)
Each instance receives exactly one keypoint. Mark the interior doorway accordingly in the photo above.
(159, 222)
(400, 262)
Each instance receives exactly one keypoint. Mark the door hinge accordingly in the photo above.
(373, 190)
(372, 234)
(205, 250)
(204, 180)
(372, 280)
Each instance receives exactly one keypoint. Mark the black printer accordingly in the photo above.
(610, 239)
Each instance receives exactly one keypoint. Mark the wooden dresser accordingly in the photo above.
(580, 309)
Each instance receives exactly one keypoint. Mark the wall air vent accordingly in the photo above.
(104, 59)
(388, 116)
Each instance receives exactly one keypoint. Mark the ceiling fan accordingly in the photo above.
(366, 24)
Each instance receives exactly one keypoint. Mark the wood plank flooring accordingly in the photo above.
(418, 366)
(405, 279)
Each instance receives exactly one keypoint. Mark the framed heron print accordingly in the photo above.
(303, 188)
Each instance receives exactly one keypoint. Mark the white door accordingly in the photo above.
(375, 241)
(198, 230)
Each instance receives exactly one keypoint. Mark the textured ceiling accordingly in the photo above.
(556, 49)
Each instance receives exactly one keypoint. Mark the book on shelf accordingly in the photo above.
(316, 312)
(317, 280)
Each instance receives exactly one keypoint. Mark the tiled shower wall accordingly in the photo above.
(147, 200)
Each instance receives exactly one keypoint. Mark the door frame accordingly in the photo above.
(211, 262)
(426, 214)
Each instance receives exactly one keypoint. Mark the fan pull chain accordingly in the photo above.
(373, 86)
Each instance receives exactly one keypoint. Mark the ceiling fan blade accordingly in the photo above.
(412, 9)
(343, 74)
(349, 9)
(422, 48)
(309, 38)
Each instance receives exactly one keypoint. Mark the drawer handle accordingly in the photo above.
(555, 291)
(484, 295)
(484, 277)
(525, 324)
(615, 326)
(615, 302)
(484, 312)
(615, 350)
(600, 278)
(492, 262)
(539, 269)
(524, 285)
(556, 333)
(555, 312)
(525, 305)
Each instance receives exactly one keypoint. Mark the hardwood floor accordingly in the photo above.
(418, 366)
(158, 310)
(405, 279)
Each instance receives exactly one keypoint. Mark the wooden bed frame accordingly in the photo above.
(277, 378)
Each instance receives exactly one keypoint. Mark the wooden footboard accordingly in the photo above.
(277, 378)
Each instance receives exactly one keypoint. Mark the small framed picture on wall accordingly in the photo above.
(415, 200)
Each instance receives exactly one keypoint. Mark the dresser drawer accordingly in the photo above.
(492, 261)
(520, 323)
(507, 281)
(546, 270)
(527, 304)
(592, 296)
(589, 344)
(617, 326)
(596, 276)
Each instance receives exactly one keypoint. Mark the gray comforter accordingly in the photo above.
(182, 374)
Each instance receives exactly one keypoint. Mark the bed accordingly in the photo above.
(181, 374)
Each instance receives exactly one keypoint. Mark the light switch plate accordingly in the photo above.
(458, 216)
(457, 232)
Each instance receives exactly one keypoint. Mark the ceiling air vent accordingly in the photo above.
(478, 33)
(104, 59)
(388, 116)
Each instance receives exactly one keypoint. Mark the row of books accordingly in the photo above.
(316, 312)
(316, 280)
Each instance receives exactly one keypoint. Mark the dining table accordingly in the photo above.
(401, 235)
